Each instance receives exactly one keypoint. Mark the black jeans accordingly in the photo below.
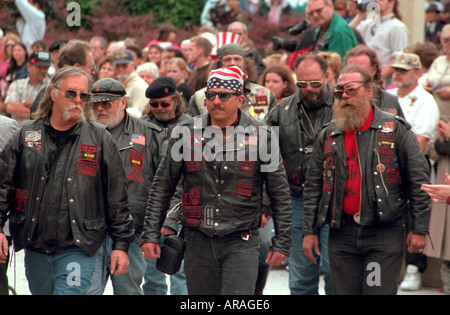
(220, 265)
(366, 259)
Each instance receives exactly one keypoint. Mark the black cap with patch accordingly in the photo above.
(161, 87)
(107, 89)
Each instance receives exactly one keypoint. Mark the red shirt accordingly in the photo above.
(352, 193)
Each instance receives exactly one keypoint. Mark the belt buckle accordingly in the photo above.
(308, 150)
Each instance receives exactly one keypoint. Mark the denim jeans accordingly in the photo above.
(155, 281)
(220, 265)
(304, 276)
(67, 273)
(127, 284)
(366, 259)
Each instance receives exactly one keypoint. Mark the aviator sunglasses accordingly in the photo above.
(314, 84)
(339, 90)
(223, 96)
(71, 94)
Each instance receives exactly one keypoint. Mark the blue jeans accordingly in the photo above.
(67, 273)
(304, 275)
(127, 284)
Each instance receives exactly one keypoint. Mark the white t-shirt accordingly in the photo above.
(388, 37)
(421, 111)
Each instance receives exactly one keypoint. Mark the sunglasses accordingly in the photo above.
(71, 94)
(10, 45)
(350, 91)
(314, 84)
(163, 104)
(399, 70)
(223, 96)
(105, 104)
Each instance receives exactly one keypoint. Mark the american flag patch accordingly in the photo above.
(138, 139)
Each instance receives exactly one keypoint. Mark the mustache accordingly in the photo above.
(66, 115)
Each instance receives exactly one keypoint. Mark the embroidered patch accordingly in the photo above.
(136, 163)
(246, 168)
(209, 215)
(244, 187)
(192, 197)
(261, 100)
(33, 139)
(88, 152)
(20, 202)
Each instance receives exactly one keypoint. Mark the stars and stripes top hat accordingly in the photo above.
(231, 78)
(223, 38)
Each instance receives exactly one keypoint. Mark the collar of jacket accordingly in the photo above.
(379, 118)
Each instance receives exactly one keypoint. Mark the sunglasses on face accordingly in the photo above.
(163, 104)
(223, 96)
(350, 91)
(314, 84)
(71, 94)
(10, 45)
(105, 104)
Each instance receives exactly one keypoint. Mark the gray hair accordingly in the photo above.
(46, 104)
(149, 67)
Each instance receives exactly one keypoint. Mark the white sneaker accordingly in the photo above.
(412, 280)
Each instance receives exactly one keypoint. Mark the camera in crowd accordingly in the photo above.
(217, 13)
(287, 44)
(363, 4)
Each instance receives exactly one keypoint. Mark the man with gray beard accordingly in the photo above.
(139, 149)
(300, 117)
(63, 188)
(365, 172)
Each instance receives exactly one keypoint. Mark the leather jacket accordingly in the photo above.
(221, 196)
(393, 168)
(87, 172)
(139, 148)
(297, 135)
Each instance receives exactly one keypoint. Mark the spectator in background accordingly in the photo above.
(334, 65)
(199, 56)
(168, 54)
(31, 24)
(387, 37)
(134, 84)
(167, 33)
(437, 82)
(98, 47)
(234, 13)
(332, 33)
(178, 70)
(154, 54)
(17, 68)
(23, 92)
(433, 24)
(137, 54)
(279, 80)
(274, 10)
(9, 41)
(106, 68)
(148, 71)
(54, 49)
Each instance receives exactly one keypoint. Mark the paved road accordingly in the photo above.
(277, 283)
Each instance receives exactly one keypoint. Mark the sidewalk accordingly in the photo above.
(277, 283)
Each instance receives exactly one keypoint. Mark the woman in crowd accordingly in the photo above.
(106, 68)
(279, 80)
(178, 70)
(148, 71)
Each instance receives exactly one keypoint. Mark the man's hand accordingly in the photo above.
(4, 250)
(151, 250)
(415, 243)
(311, 242)
(119, 262)
(275, 258)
